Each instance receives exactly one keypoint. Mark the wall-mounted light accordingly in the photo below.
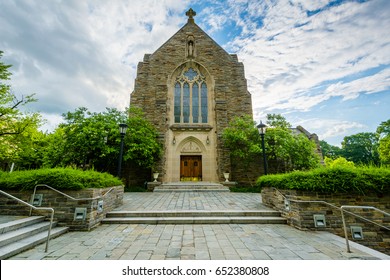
(319, 220)
(80, 214)
(100, 206)
(207, 140)
(287, 204)
(37, 199)
(174, 140)
(356, 232)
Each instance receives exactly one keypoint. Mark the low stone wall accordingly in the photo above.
(89, 211)
(300, 214)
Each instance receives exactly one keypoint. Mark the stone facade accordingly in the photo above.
(300, 214)
(65, 208)
(228, 97)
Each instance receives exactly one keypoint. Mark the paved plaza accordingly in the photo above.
(197, 241)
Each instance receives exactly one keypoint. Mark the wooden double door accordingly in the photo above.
(190, 168)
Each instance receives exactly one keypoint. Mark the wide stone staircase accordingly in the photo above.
(191, 187)
(20, 234)
(195, 217)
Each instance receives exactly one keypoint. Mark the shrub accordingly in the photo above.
(339, 179)
(59, 178)
(340, 161)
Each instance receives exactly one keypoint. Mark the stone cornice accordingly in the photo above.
(187, 126)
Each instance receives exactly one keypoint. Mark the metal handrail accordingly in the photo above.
(359, 207)
(36, 208)
(68, 196)
(342, 210)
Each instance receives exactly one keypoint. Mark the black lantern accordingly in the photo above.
(261, 128)
(122, 131)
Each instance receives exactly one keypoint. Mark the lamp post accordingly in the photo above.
(261, 128)
(122, 131)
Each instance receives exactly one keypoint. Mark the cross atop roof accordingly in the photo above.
(191, 13)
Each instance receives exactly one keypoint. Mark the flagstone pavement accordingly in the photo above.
(197, 241)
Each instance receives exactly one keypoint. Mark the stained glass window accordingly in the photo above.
(177, 104)
(186, 103)
(204, 102)
(190, 98)
(191, 74)
(195, 103)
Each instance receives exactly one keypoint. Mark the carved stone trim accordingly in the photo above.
(198, 127)
(191, 147)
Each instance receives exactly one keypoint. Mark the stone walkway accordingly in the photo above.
(197, 242)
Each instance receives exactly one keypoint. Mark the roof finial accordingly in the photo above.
(190, 13)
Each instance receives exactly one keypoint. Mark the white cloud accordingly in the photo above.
(370, 84)
(289, 59)
(330, 128)
(82, 53)
(297, 53)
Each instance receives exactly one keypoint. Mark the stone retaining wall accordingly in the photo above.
(300, 214)
(65, 208)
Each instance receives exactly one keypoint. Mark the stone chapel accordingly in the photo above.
(190, 89)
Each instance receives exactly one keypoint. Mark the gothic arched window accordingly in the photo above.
(190, 97)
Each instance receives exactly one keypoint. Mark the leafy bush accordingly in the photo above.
(340, 161)
(59, 178)
(338, 179)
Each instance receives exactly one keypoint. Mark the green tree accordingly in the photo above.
(384, 129)
(285, 150)
(361, 148)
(384, 149)
(88, 140)
(15, 125)
(12, 120)
(277, 120)
(30, 143)
(383, 132)
(141, 142)
(290, 151)
(330, 151)
(91, 139)
(340, 161)
(242, 139)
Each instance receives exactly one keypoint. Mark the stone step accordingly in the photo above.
(20, 223)
(193, 213)
(29, 242)
(196, 220)
(191, 186)
(25, 233)
(160, 189)
(20, 233)
(195, 217)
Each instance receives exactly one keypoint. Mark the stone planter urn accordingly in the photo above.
(226, 175)
(155, 176)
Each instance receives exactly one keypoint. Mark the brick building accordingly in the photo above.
(190, 89)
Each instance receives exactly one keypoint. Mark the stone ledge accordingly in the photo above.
(300, 215)
(64, 208)
(199, 127)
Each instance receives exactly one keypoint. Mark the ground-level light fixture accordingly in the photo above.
(356, 232)
(319, 220)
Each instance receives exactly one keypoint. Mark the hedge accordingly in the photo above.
(358, 180)
(59, 178)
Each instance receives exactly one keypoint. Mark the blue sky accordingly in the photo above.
(322, 64)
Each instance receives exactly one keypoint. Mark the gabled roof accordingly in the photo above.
(189, 25)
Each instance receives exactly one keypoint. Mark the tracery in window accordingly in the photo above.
(190, 97)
